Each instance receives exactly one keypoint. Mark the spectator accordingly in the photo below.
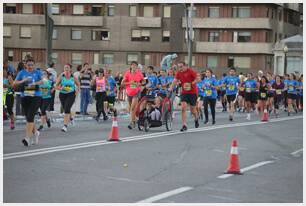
(86, 77)
(10, 68)
(77, 75)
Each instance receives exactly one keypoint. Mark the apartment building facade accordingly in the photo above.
(240, 35)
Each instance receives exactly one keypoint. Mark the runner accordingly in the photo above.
(270, 92)
(210, 84)
(47, 90)
(8, 95)
(292, 86)
(187, 77)
(111, 91)
(132, 80)
(231, 82)
(250, 86)
(99, 82)
(30, 79)
(278, 87)
(300, 93)
(222, 89)
(263, 94)
(241, 94)
(201, 95)
(69, 87)
(286, 91)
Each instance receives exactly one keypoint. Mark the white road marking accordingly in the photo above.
(218, 150)
(222, 198)
(166, 195)
(35, 152)
(259, 164)
(296, 152)
(126, 179)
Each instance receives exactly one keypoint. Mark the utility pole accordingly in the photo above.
(190, 33)
(49, 32)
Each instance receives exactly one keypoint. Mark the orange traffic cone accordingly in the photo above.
(114, 134)
(234, 167)
(265, 116)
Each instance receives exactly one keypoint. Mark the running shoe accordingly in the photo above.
(64, 129)
(49, 122)
(35, 139)
(184, 128)
(230, 118)
(248, 116)
(40, 128)
(214, 122)
(196, 123)
(206, 121)
(12, 126)
(131, 125)
(26, 142)
(72, 122)
(105, 118)
(97, 118)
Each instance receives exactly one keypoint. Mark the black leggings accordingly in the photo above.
(9, 102)
(45, 104)
(30, 106)
(67, 101)
(212, 104)
(277, 101)
(100, 99)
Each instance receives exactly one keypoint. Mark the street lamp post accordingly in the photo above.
(285, 52)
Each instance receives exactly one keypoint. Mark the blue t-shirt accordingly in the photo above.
(162, 81)
(250, 85)
(200, 89)
(301, 89)
(291, 85)
(209, 91)
(271, 82)
(29, 88)
(220, 82)
(152, 83)
(286, 83)
(46, 89)
(231, 83)
(111, 87)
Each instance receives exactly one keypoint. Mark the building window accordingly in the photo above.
(148, 11)
(100, 35)
(132, 10)
(7, 31)
(140, 35)
(54, 57)
(241, 12)
(27, 8)
(25, 54)
(76, 58)
(10, 55)
(132, 57)
(78, 9)
(167, 11)
(242, 36)
(242, 62)
(111, 10)
(166, 36)
(108, 59)
(55, 9)
(25, 32)
(54, 34)
(10, 8)
(96, 58)
(213, 12)
(213, 36)
(212, 61)
(192, 61)
(147, 59)
(96, 10)
(76, 34)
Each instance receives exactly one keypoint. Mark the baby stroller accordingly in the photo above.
(144, 114)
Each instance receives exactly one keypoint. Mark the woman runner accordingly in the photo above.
(8, 95)
(278, 87)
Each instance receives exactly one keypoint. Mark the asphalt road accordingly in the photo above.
(158, 166)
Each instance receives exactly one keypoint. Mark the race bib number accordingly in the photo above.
(263, 95)
(278, 91)
(187, 86)
(29, 91)
(5, 90)
(248, 90)
(241, 89)
(133, 85)
(208, 92)
(44, 91)
(99, 89)
(67, 88)
(290, 87)
(107, 93)
(231, 87)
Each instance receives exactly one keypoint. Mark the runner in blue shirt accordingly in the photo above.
(30, 79)
(250, 86)
(210, 89)
(111, 92)
(46, 89)
(163, 84)
(222, 89)
(231, 82)
(201, 95)
(292, 86)
(300, 93)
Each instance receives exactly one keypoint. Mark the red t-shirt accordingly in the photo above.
(133, 78)
(186, 78)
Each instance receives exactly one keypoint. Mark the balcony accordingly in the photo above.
(152, 22)
(96, 21)
(24, 19)
(234, 48)
(230, 23)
